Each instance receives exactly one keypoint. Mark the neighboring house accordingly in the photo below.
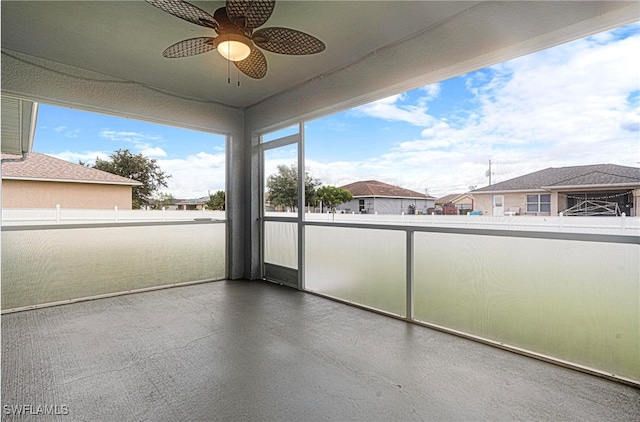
(181, 204)
(371, 197)
(42, 181)
(191, 204)
(600, 189)
(456, 203)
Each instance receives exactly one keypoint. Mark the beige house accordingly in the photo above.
(190, 204)
(456, 203)
(42, 181)
(591, 190)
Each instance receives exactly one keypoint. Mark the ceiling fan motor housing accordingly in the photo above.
(226, 26)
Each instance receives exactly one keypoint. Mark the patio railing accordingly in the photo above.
(58, 215)
(62, 263)
(561, 224)
(573, 298)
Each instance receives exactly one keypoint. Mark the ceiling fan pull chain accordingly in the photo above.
(238, 76)
(228, 72)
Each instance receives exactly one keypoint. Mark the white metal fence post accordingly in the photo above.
(115, 213)
(162, 213)
(623, 221)
(561, 220)
(57, 213)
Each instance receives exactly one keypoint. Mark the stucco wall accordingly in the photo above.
(34, 194)
(484, 202)
(387, 205)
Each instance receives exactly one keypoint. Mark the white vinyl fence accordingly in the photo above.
(557, 224)
(58, 215)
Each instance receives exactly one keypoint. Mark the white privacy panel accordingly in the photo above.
(577, 301)
(281, 243)
(52, 265)
(363, 266)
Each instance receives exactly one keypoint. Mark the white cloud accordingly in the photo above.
(133, 137)
(431, 93)
(560, 107)
(73, 134)
(392, 109)
(195, 175)
(149, 151)
(191, 177)
(142, 142)
(69, 133)
(88, 157)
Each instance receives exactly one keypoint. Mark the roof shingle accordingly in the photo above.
(589, 175)
(448, 198)
(370, 188)
(46, 168)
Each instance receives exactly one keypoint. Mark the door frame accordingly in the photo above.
(494, 207)
(283, 275)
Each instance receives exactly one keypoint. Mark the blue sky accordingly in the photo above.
(574, 104)
(195, 160)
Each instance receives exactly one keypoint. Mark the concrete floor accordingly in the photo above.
(244, 351)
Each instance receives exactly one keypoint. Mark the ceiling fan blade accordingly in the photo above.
(186, 11)
(190, 47)
(254, 66)
(249, 14)
(287, 41)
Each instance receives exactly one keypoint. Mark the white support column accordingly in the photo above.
(410, 278)
(301, 195)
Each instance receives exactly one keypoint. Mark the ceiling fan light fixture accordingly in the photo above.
(234, 47)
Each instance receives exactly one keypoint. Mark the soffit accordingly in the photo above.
(125, 39)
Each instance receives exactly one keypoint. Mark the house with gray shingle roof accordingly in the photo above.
(372, 196)
(42, 181)
(599, 189)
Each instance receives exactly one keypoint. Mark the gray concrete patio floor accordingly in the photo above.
(244, 351)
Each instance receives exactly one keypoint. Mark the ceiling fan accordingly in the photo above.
(234, 37)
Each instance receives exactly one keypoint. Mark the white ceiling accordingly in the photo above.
(106, 56)
(125, 39)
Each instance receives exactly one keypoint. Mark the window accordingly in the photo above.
(539, 203)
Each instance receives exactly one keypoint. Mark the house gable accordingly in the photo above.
(590, 175)
(41, 181)
(41, 167)
(374, 188)
(598, 178)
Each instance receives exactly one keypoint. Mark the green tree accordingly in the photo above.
(283, 187)
(163, 199)
(216, 201)
(136, 167)
(332, 196)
